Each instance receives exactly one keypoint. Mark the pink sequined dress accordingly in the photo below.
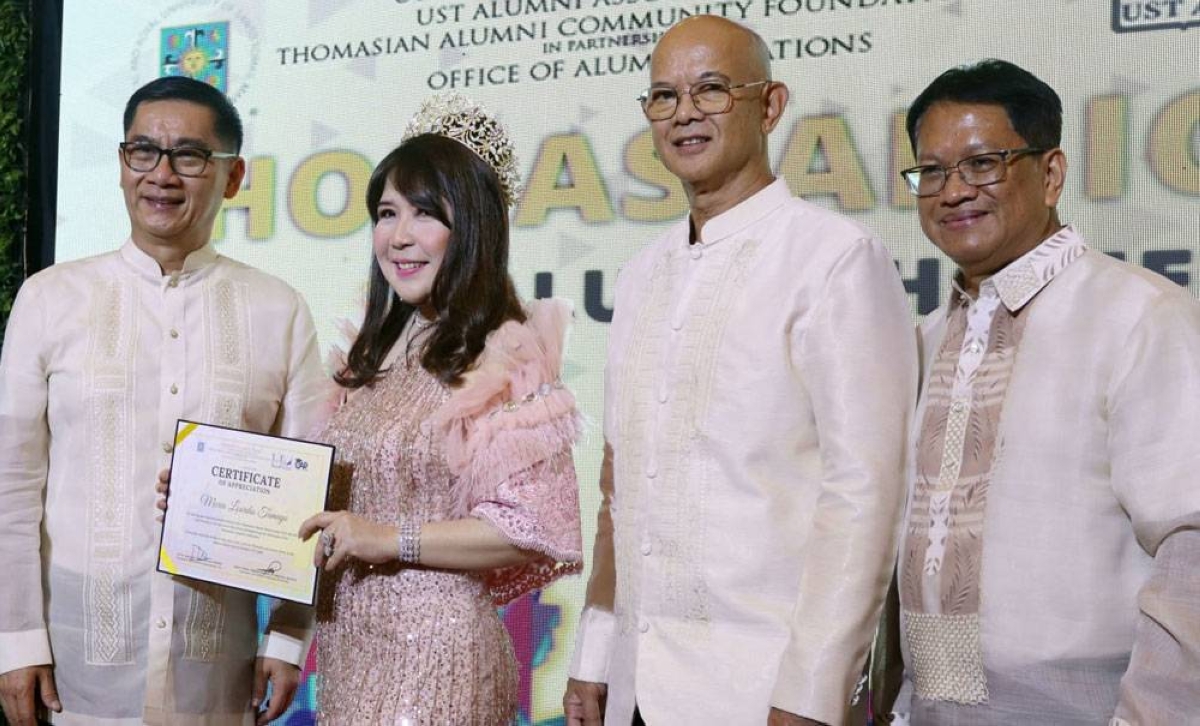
(406, 645)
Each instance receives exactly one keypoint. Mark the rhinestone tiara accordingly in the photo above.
(456, 117)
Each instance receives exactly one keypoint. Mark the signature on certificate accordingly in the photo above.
(197, 554)
(270, 569)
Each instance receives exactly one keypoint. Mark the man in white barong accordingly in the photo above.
(101, 356)
(1050, 568)
(760, 380)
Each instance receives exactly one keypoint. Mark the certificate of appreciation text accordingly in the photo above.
(235, 506)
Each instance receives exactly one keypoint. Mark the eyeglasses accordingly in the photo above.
(979, 170)
(185, 160)
(709, 97)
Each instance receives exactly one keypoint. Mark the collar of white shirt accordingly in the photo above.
(148, 267)
(1025, 276)
(745, 213)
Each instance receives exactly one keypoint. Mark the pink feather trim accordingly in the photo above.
(514, 387)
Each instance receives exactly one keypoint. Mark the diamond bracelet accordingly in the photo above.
(409, 541)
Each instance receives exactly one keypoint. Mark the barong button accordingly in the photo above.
(167, 448)
(174, 333)
(697, 253)
(646, 549)
(174, 388)
(644, 626)
(160, 623)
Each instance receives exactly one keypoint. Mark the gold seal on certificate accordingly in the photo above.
(236, 503)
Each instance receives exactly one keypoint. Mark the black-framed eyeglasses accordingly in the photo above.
(141, 156)
(710, 97)
(978, 170)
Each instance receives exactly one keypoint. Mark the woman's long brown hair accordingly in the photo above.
(472, 292)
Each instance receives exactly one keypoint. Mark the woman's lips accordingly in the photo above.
(408, 268)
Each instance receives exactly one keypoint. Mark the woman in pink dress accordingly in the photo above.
(454, 482)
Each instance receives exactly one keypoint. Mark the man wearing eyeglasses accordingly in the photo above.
(1050, 569)
(761, 374)
(101, 356)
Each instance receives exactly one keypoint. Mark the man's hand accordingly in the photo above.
(584, 703)
(284, 678)
(19, 692)
(161, 487)
(783, 718)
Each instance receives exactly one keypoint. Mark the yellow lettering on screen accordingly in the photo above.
(565, 176)
(257, 197)
(902, 158)
(820, 159)
(1106, 121)
(643, 164)
(354, 169)
(1171, 156)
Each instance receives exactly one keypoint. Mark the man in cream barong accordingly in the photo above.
(1050, 569)
(101, 356)
(761, 375)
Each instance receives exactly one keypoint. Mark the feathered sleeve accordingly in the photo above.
(508, 433)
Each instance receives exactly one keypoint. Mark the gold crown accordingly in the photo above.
(456, 117)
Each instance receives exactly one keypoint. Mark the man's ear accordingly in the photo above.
(1056, 176)
(774, 102)
(237, 172)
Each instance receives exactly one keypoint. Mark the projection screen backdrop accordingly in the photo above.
(325, 88)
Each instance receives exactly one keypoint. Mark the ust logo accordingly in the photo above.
(194, 38)
(1133, 15)
(199, 51)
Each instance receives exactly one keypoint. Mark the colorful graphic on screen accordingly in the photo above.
(199, 51)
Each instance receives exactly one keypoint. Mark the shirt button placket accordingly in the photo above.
(172, 363)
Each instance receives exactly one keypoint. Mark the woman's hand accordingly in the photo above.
(348, 535)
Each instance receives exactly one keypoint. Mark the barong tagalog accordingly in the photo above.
(237, 499)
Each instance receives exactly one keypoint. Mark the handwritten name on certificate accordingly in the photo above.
(235, 506)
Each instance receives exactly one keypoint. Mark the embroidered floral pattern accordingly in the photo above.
(110, 373)
(655, 473)
(227, 376)
(958, 449)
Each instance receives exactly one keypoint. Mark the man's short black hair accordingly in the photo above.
(1033, 108)
(227, 124)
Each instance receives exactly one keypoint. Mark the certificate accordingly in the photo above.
(235, 506)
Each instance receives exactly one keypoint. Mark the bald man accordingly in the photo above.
(761, 374)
